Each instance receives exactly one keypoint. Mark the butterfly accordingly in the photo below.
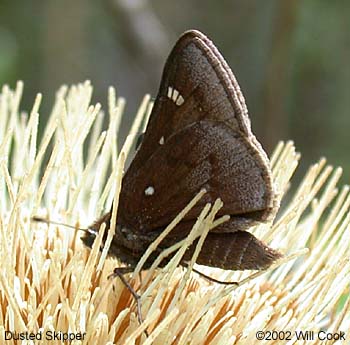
(198, 137)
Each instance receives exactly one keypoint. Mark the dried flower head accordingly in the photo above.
(50, 282)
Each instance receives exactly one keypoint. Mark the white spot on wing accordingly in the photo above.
(149, 191)
(180, 100)
(161, 141)
(170, 92)
(175, 96)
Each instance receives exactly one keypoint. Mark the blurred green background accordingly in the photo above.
(291, 58)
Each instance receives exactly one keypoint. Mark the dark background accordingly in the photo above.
(291, 58)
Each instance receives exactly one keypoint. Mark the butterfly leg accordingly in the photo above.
(214, 280)
(120, 272)
(211, 279)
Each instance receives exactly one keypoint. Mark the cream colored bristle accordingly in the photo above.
(49, 281)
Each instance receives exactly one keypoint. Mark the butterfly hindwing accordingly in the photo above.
(234, 251)
(206, 154)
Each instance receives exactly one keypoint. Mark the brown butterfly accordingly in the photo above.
(198, 136)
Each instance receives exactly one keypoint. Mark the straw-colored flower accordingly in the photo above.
(53, 286)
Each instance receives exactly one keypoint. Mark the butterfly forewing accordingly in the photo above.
(198, 136)
(195, 85)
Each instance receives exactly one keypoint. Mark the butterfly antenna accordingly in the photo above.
(48, 221)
